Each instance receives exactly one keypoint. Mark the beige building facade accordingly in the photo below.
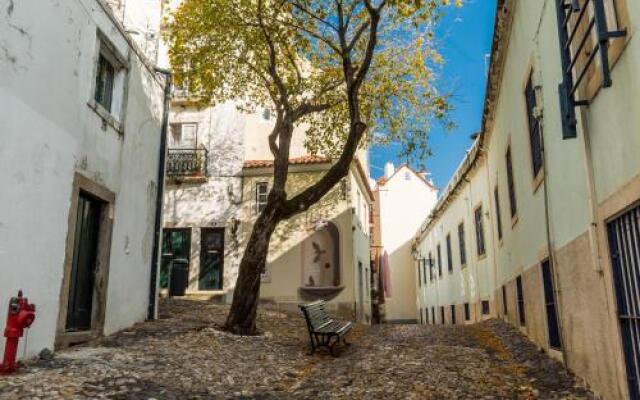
(405, 199)
(540, 224)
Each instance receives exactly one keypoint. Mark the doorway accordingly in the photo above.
(176, 245)
(84, 264)
(624, 247)
(211, 259)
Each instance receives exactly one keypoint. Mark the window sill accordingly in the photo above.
(107, 118)
(482, 256)
(514, 221)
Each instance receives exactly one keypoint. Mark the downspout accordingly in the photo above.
(545, 193)
(157, 231)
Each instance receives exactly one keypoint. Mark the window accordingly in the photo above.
(453, 314)
(421, 320)
(442, 315)
(463, 249)
(183, 135)
(505, 308)
(433, 315)
(430, 267)
(262, 193)
(553, 328)
(479, 231)
(407, 176)
(485, 307)
(467, 312)
(535, 138)
(511, 185)
(439, 260)
(496, 198)
(266, 114)
(449, 255)
(105, 76)
(424, 271)
(520, 296)
(591, 40)
(419, 273)
(110, 70)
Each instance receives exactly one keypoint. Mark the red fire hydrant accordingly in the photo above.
(21, 316)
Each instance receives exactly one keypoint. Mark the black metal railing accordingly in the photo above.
(577, 20)
(187, 162)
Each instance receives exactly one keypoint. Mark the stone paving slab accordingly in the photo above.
(184, 355)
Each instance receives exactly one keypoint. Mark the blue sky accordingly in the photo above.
(465, 39)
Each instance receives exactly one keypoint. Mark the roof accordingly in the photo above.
(304, 160)
(383, 181)
(501, 34)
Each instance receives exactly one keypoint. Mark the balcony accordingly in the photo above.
(187, 165)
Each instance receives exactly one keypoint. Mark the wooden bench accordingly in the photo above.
(323, 330)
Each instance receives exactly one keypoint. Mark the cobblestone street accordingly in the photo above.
(184, 356)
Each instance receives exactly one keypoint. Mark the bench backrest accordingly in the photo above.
(315, 313)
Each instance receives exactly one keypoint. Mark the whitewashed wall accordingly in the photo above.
(47, 60)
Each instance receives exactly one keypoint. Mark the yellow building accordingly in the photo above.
(540, 225)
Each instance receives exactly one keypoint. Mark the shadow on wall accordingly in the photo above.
(398, 281)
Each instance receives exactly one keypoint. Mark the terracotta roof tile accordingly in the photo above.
(304, 160)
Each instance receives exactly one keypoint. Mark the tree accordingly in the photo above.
(349, 71)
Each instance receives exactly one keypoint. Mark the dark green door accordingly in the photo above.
(211, 259)
(83, 267)
(176, 244)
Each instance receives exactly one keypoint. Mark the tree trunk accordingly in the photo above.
(242, 316)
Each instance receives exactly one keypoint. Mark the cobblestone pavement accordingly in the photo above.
(184, 356)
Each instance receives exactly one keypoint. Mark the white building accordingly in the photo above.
(405, 199)
(540, 225)
(81, 135)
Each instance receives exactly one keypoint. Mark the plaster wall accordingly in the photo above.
(405, 201)
(283, 277)
(49, 134)
(584, 182)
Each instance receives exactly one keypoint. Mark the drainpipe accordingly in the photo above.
(157, 231)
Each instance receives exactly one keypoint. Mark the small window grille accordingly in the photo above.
(579, 22)
(442, 315)
(467, 312)
(453, 314)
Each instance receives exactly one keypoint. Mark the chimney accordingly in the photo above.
(389, 170)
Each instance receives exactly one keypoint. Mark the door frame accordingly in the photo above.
(200, 263)
(103, 254)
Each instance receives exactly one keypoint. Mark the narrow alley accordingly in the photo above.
(184, 356)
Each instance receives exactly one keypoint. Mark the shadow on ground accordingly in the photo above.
(184, 355)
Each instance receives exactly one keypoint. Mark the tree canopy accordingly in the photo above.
(297, 57)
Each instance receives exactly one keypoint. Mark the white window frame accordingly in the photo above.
(116, 114)
(179, 144)
(261, 198)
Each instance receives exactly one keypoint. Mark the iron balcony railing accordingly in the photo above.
(578, 21)
(187, 162)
